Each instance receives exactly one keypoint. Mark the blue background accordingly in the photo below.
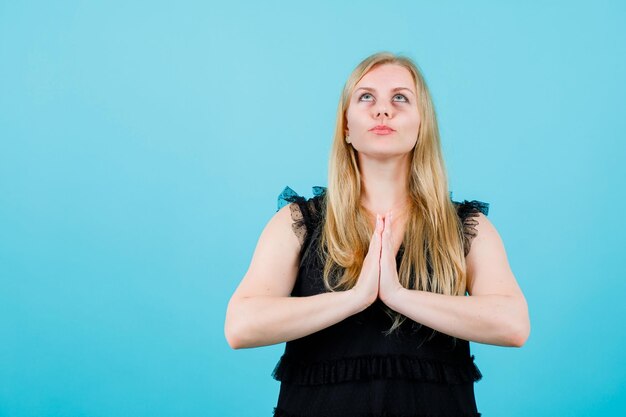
(143, 146)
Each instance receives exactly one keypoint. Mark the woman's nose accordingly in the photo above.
(381, 110)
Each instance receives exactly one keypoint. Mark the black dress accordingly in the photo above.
(351, 368)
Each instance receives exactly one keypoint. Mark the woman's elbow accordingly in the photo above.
(520, 328)
(232, 327)
(231, 338)
(519, 337)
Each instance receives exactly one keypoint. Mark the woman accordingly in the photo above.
(367, 280)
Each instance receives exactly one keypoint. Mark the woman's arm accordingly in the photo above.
(496, 311)
(267, 320)
(261, 311)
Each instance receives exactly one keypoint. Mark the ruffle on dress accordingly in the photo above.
(468, 212)
(357, 368)
(290, 196)
(305, 213)
(467, 207)
(278, 412)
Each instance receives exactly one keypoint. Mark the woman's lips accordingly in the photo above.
(382, 130)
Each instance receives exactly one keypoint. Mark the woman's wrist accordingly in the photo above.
(362, 301)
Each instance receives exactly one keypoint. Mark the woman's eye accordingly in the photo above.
(403, 97)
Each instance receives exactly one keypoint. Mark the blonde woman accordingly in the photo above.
(371, 282)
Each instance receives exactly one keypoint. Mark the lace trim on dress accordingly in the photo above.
(304, 212)
(356, 368)
(468, 211)
(289, 196)
(279, 412)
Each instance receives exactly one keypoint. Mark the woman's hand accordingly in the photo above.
(367, 284)
(389, 284)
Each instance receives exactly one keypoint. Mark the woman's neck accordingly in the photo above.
(384, 185)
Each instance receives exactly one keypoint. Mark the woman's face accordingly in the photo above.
(384, 96)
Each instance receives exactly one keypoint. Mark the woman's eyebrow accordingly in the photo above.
(393, 89)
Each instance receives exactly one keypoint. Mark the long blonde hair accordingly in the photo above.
(433, 243)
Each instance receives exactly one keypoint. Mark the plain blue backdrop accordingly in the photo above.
(143, 146)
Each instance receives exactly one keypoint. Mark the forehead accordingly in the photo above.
(391, 75)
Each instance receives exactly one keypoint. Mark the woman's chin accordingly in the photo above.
(383, 154)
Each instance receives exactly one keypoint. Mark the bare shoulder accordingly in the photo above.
(274, 265)
(488, 269)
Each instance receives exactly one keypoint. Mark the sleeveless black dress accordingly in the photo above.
(351, 369)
